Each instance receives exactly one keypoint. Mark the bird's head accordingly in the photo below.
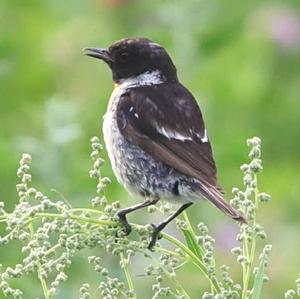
(131, 57)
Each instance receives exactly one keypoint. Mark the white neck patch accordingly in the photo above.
(147, 78)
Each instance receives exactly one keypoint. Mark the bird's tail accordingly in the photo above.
(215, 197)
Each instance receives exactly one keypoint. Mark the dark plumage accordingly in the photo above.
(154, 132)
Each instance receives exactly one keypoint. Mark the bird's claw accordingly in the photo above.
(155, 236)
(126, 226)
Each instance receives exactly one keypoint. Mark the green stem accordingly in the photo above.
(74, 217)
(195, 260)
(250, 255)
(87, 210)
(52, 249)
(161, 249)
(127, 274)
(245, 268)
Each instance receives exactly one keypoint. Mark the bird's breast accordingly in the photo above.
(111, 133)
(138, 171)
(127, 159)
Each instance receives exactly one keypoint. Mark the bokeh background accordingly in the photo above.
(241, 59)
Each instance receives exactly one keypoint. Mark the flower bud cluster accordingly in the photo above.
(243, 200)
(207, 244)
(164, 271)
(95, 172)
(246, 202)
(158, 287)
(227, 280)
(110, 287)
(298, 284)
(181, 224)
(290, 294)
(85, 291)
(264, 257)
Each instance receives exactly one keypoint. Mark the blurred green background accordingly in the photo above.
(241, 60)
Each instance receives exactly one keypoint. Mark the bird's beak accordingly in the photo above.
(100, 53)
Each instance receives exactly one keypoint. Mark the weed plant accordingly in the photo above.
(48, 236)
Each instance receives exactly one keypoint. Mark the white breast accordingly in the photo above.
(111, 131)
(110, 126)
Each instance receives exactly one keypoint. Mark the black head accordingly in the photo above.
(131, 57)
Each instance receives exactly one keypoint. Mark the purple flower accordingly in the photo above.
(283, 25)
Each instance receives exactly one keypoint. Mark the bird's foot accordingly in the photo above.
(126, 226)
(155, 236)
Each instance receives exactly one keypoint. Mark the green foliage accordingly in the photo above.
(49, 235)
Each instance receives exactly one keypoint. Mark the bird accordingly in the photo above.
(155, 134)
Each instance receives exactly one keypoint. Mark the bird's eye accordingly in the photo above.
(124, 56)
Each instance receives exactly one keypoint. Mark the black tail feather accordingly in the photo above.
(215, 197)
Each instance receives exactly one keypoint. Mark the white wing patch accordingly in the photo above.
(172, 134)
(204, 139)
(175, 135)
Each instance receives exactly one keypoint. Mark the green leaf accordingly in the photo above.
(190, 238)
(192, 243)
(258, 282)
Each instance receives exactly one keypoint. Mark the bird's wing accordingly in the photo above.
(166, 122)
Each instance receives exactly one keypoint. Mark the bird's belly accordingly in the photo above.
(134, 168)
(139, 172)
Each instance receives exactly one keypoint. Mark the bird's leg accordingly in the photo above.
(122, 213)
(158, 228)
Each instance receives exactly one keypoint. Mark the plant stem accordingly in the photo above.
(127, 274)
(161, 249)
(247, 270)
(87, 210)
(74, 217)
(195, 260)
